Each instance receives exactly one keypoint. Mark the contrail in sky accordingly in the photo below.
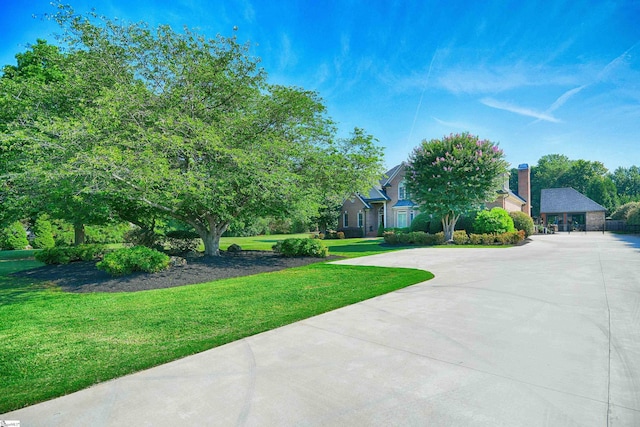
(415, 117)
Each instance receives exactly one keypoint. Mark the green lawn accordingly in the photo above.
(55, 343)
(349, 248)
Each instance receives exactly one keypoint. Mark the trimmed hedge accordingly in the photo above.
(301, 247)
(67, 254)
(128, 260)
(414, 238)
(460, 237)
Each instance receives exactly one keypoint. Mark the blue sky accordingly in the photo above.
(537, 77)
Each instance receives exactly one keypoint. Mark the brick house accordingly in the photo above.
(388, 205)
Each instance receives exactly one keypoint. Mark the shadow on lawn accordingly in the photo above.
(15, 291)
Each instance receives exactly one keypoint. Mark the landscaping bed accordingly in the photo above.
(81, 277)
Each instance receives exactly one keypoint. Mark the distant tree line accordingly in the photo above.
(591, 178)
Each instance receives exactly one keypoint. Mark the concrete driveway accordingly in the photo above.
(547, 334)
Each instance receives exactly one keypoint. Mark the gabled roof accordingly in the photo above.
(364, 201)
(560, 200)
(510, 193)
(390, 174)
(376, 195)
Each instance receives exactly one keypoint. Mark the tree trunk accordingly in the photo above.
(78, 234)
(211, 244)
(449, 225)
(211, 237)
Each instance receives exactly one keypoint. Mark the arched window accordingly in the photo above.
(402, 191)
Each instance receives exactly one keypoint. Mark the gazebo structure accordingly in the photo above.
(570, 210)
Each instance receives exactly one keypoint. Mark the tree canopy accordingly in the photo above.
(590, 178)
(172, 123)
(451, 176)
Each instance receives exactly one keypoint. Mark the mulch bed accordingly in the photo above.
(82, 277)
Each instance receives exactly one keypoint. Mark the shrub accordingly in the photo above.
(623, 211)
(113, 233)
(633, 216)
(390, 237)
(460, 237)
(301, 247)
(522, 221)
(143, 237)
(14, 237)
(233, 248)
(351, 233)
(497, 220)
(340, 235)
(129, 260)
(180, 241)
(465, 222)
(421, 222)
(67, 254)
(43, 233)
(413, 238)
(435, 226)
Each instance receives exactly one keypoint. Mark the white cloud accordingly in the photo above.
(287, 56)
(490, 102)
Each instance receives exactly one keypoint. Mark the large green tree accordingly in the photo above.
(190, 127)
(451, 176)
(44, 86)
(627, 182)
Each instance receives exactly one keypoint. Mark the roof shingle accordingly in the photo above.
(560, 200)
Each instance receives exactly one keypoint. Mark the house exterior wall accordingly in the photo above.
(351, 207)
(507, 203)
(595, 221)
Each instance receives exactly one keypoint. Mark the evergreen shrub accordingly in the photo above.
(421, 222)
(67, 254)
(301, 247)
(43, 233)
(129, 260)
(14, 237)
(522, 221)
(180, 241)
(497, 220)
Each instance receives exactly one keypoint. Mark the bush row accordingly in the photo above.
(460, 237)
(67, 254)
(328, 235)
(301, 247)
(129, 260)
(413, 238)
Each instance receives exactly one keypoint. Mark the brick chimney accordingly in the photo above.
(524, 186)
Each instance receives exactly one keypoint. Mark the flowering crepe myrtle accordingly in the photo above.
(450, 176)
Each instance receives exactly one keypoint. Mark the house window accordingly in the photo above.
(402, 191)
(411, 216)
(360, 219)
(402, 219)
(345, 219)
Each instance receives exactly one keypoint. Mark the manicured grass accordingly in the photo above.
(55, 343)
(348, 248)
